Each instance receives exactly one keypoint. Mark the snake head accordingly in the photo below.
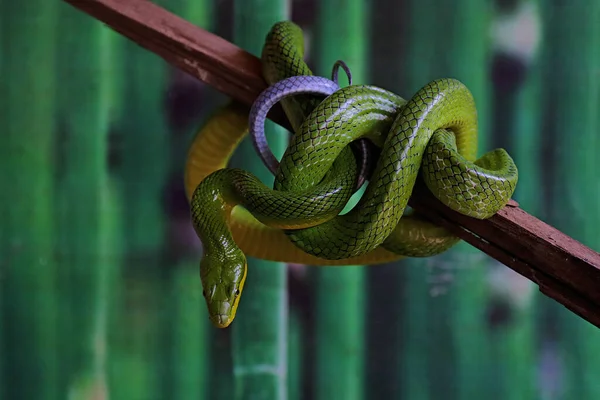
(223, 279)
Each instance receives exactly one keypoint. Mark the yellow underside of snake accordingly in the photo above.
(432, 135)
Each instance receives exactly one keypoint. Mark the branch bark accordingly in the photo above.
(563, 268)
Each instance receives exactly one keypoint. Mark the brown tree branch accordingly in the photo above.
(564, 269)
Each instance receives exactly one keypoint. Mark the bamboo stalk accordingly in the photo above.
(222, 380)
(467, 51)
(519, 368)
(413, 347)
(4, 239)
(191, 351)
(260, 331)
(110, 287)
(296, 360)
(339, 306)
(517, 122)
(95, 382)
(144, 165)
(190, 337)
(572, 98)
(85, 97)
(563, 268)
(29, 283)
(386, 376)
(143, 171)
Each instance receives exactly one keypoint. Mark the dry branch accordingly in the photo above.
(564, 269)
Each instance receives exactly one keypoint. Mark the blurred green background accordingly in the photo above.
(100, 294)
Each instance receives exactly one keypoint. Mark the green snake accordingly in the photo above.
(432, 135)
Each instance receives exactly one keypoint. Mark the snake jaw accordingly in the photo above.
(225, 319)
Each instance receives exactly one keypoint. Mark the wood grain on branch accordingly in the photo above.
(563, 268)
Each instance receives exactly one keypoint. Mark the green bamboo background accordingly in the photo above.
(100, 295)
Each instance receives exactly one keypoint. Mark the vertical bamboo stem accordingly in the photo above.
(85, 96)
(190, 354)
(3, 236)
(424, 336)
(222, 379)
(341, 33)
(295, 357)
(260, 329)
(467, 56)
(108, 315)
(189, 339)
(571, 94)
(387, 284)
(455, 47)
(142, 170)
(516, 110)
(29, 282)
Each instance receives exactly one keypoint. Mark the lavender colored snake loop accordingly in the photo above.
(300, 84)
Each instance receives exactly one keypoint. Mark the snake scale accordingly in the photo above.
(432, 135)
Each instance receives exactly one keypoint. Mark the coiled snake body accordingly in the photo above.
(434, 134)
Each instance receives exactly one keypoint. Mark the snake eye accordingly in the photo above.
(237, 292)
(204, 293)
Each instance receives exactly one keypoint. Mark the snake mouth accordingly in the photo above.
(221, 320)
